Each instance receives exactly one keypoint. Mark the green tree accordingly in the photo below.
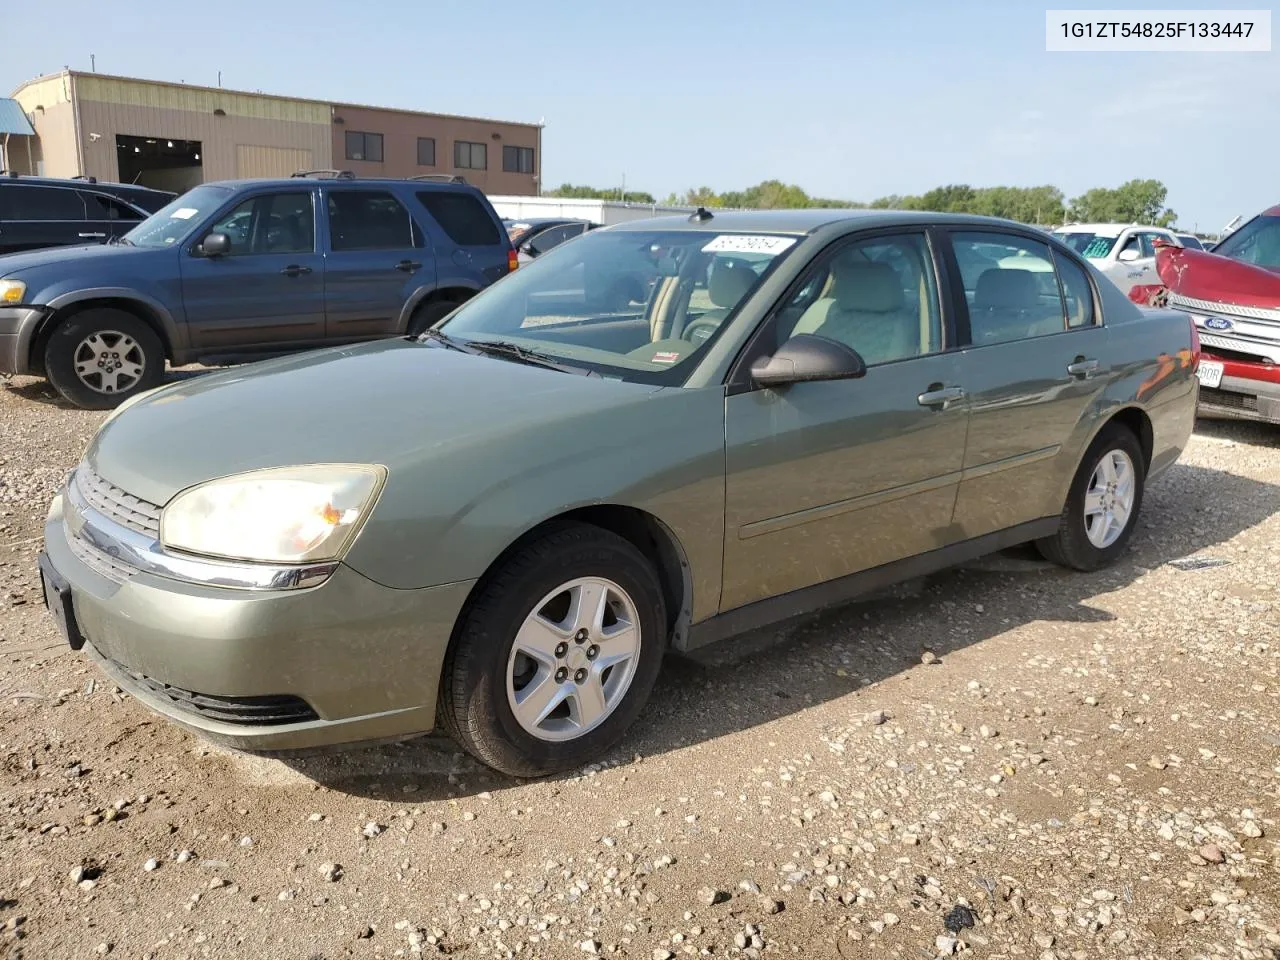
(570, 191)
(1136, 201)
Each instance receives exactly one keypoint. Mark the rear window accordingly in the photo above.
(29, 202)
(462, 217)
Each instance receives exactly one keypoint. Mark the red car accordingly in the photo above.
(1233, 296)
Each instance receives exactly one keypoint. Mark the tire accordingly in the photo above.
(77, 345)
(428, 315)
(482, 670)
(1072, 546)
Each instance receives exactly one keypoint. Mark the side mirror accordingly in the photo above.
(528, 249)
(1128, 255)
(806, 357)
(216, 245)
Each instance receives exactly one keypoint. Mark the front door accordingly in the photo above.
(376, 260)
(830, 478)
(268, 290)
(1036, 364)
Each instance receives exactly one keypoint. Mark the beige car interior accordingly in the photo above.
(865, 304)
(671, 331)
(1007, 305)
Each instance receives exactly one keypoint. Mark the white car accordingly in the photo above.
(1125, 252)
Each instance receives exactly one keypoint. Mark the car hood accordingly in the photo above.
(1199, 275)
(392, 402)
(24, 265)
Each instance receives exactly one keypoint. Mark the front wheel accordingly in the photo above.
(1103, 503)
(557, 654)
(98, 358)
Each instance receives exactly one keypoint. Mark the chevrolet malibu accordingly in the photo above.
(502, 525)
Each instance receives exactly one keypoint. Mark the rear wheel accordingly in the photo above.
(429, 314)
(1103, 504)
(557, 654)
(98, 358)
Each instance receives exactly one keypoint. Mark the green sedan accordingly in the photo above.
(500, 527)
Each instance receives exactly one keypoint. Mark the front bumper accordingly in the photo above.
(1247, 391)
(348, 661)
(17, 327)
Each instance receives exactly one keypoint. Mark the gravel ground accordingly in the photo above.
(1002, 761)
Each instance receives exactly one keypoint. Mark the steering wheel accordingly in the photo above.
(688, 333)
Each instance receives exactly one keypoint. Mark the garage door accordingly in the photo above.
(256, 161)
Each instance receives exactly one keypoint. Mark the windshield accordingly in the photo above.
(1087, 244)
(632, 304)
(1190, 242)
(1257, 242)
(175, 220)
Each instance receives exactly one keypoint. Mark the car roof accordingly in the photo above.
(543, 221)
(808, 220)
(104, 185)
(345, 181)
(1107, 229)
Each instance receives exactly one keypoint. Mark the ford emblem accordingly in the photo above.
(1217, 323)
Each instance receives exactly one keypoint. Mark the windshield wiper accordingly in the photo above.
(124, 240)
(513, 351)
(440, 337)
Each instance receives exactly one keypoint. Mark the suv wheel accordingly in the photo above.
(428, 315)
(557, 654)
(98, 358)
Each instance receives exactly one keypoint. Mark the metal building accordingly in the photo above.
(173, 136)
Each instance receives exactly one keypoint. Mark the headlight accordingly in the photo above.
(282, 515)
(12, 291)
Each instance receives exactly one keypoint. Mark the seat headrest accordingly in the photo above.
(729, 282)
(866, 286)
(1007, 289)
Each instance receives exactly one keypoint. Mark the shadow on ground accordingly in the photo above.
(770, 673)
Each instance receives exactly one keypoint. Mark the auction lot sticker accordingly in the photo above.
(1158, 31)
(748, 243)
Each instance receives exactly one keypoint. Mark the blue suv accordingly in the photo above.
(248, 268)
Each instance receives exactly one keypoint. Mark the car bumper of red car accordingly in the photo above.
(1240, 390)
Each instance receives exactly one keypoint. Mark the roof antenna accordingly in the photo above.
(699, 215)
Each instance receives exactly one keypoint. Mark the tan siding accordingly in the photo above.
(219, 136)
(165, 96)
(47, 103)
(253, 160)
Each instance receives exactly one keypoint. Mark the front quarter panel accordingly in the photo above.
(447, 513)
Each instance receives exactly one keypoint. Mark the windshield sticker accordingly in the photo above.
(1097, 247)
(744, 243)
(183, 213)
(665, 357)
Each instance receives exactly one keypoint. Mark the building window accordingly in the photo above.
(517, 159)
(470, 156)
(364, 146)
(426, 151)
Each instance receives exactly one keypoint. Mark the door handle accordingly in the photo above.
(408, 266)
(940, 396)
(294, 270)
(1083, 368)
(93, 236)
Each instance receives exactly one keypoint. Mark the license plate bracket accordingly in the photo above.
(58, 601)
(1209, 372)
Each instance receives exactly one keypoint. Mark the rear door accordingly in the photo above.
(34, 215)
(1036, 362)
(376, 259)
(109, 216)
(269, 289)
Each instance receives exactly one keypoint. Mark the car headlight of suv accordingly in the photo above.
(283, 515)
(12, 291)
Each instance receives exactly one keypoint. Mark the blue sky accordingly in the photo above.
(847, 98)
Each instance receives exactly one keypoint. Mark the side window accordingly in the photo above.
(276, 223)
(368, 220)
(462, 217)
(1010, 286)
(44, 203)
(99, 206)
(1131, 242)
(1078, 290)
(554, 237)
(238, 226)
(1148, 248)
(879, 296)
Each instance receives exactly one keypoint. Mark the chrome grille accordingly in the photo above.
(115, 504)
(100, 562)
